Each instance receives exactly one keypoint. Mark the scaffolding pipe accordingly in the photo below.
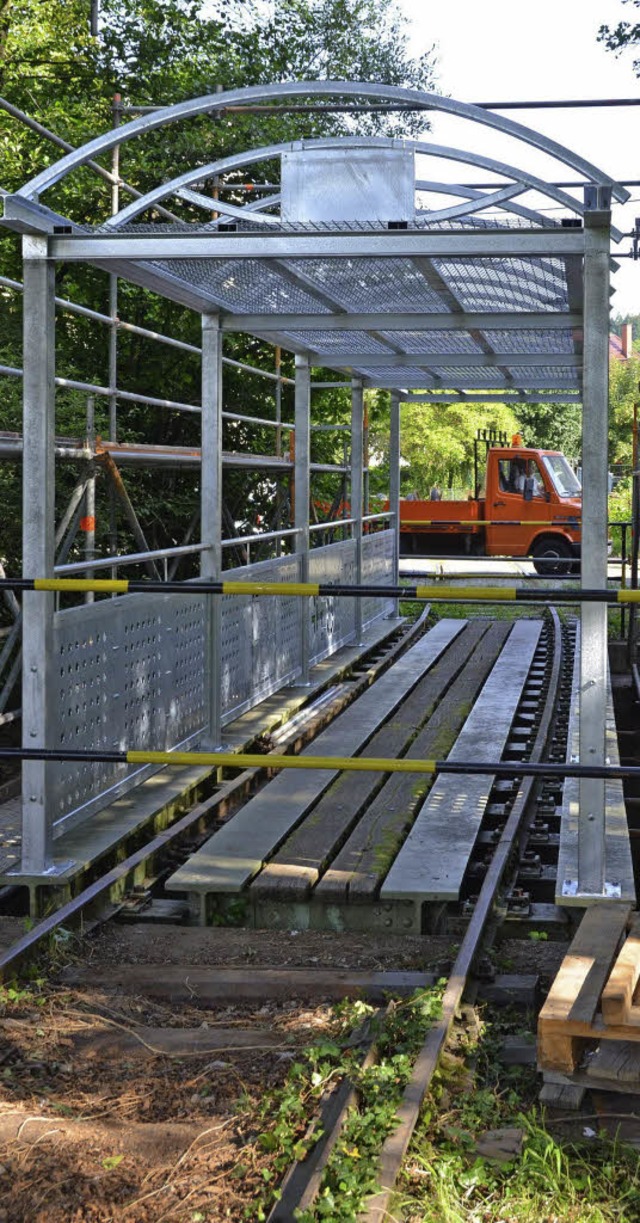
(70, 148)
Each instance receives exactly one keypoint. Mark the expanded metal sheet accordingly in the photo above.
(249, 223)
(433, 341)
(125, 673)
(549, 374)
(510, 284)
(244, 284)
(130, 672)
(339, 341)
(405, 376)
(531, 341)
(371, 284)
(260, 638)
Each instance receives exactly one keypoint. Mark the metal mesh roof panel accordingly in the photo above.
(393, 285)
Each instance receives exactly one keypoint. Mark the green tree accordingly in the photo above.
(624, 34)
(552, 426)
(437, 442)
(155, 52)
(624, 383)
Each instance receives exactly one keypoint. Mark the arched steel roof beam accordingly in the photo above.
(421, 148)
(256, 207)
(472, 193)
(218, 102)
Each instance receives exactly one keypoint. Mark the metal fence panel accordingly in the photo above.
(260, 638)
(377, 568)
(332, 621)
(130, 672)
(125, 672)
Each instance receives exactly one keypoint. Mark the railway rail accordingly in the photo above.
(511, 863)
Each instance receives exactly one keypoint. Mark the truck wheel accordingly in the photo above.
(553, 557)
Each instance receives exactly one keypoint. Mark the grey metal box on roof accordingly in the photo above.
(369, 184)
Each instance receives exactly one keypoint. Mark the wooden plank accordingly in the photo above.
(206, 986)
(356, 872)
(297, 865)
(558, 1050)
(575, 993)
(145, 1042)
(234, 854)
(433, 859)
(616, 1060)
(617, 995)
(562, 1095)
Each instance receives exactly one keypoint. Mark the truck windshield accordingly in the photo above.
(564, 480)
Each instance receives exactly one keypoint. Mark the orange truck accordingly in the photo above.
(530, 506)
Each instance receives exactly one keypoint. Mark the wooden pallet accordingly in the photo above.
(589, 1026)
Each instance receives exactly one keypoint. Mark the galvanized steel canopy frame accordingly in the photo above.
(487, 295)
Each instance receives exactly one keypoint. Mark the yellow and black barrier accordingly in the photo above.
(364, 764)
(433, 593)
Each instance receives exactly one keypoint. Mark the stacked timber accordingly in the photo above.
(589, 1026)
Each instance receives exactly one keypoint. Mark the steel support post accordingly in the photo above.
(89, 526)
(593, 662)
(356, 473)
(394, 486)
(302, 490)
(211, 510)
(38, 548)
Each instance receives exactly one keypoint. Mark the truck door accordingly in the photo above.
(507, 510)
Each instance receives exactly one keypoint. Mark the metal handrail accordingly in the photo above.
(259, 537)
(130, 558)
(331, 524)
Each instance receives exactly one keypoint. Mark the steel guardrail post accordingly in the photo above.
(357, 458)
(394, 486)
(302, 493)
(593, 658)
(38, 548)
(211, 512)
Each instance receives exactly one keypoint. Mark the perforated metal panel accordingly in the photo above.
(260, 641)
(332, 621)
(125, 673)
(130, 672)
(377, 567)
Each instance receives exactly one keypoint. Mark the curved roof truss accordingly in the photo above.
(484, 294)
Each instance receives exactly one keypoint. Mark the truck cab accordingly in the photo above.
(533, 508)
(529, 504)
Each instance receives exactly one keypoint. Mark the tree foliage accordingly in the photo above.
(624, 34)
(437, 442)
(155, 52)
(624, 381)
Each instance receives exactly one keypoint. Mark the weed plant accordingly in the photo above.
(594, 1179)
(350, 1174)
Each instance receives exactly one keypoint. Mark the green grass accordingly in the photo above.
(552, 1180)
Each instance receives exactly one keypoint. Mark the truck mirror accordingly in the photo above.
(527, 491)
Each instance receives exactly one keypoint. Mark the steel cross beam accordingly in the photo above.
(524, 320)
(407, 383)
(340, 244)
(438, 360)
(515, 397)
